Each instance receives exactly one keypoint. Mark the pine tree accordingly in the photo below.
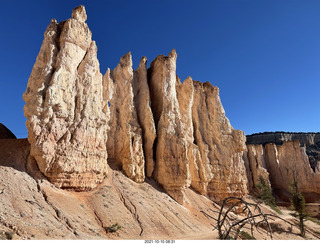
(298, 203)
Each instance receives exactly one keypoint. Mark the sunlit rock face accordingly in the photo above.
(66, 119)
(144, 122)
(291, 155)
(125, 144)
(196, 145)
(142, 103)
(287, 161)
(256, 167)
(221, 169)
(172, 163)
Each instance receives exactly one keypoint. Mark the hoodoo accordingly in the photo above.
(145, 121)
(66, 119)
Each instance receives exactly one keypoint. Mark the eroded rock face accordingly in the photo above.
(125, 144)
(172, 163)
(256, 165)
(64, 106)
(198, 170)
(282, 163)
(280, 137)
(145, 117)
(285, 161)
(222, 171)
(149, 122)
(196, 144)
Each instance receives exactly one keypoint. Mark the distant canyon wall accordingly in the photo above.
(278, 157)
(145, 121)
(280, 137)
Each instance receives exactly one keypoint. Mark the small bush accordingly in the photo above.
(275, 227)
(113, 228)
(313, 220)
(9, 235)
(246, 236)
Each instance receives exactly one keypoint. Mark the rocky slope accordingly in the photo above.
(145, 122)
(33, 208)
(281, 156)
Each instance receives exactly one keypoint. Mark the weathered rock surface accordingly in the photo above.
(221, 169)
(287, 160)
(286, 153)
(255, 164)
(280, 137)
(172, 163)
(145, 117)
(64, 107)
(125, 144)
(5, 133)
(198, 170)
(149, 122)
(282, 163)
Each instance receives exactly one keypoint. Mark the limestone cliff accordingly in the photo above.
(64, 106)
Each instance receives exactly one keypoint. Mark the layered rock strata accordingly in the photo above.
(280, 137)
(64, 106)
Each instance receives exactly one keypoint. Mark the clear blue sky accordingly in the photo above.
(264, 55)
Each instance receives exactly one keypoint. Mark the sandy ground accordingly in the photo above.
(32, 208)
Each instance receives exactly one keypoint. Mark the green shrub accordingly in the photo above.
(246, 236)
(298, 203)
(313, 220)
(9, 235)
(265, 194)
(113, 228)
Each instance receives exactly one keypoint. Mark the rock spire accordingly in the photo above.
(145, 121)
